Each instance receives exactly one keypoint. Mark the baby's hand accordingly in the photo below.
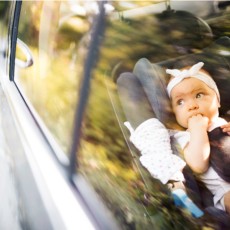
(226, 128)
(198, 122)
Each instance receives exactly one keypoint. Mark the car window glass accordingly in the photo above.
(57, 35)
(106, 159)
(51, 48)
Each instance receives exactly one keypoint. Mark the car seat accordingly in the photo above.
(143, 95)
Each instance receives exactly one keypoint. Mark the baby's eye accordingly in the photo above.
(199, 95)
(180, 102)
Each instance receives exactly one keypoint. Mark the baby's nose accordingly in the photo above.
(193, 105)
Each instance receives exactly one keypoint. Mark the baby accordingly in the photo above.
(206, 144)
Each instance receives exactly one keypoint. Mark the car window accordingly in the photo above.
(53, 40)
(51, 48)
(106, 158)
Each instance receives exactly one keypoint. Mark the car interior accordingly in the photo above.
(143, 96)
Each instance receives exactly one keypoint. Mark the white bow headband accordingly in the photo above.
(194, 72)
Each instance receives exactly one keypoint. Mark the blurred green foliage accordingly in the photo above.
(4, 8)
(59, 48)
(104, 157)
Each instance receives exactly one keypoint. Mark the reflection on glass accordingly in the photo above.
(136, 200)
(56, 34)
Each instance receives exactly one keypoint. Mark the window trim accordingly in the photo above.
(13, 41)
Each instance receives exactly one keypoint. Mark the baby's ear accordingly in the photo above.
(219, 105)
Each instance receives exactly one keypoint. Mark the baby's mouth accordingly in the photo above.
(195, 114)
(201, 114)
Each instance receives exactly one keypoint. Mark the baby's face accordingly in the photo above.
(191, 97)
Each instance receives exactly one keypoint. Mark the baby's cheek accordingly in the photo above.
(185, 124)
(182, 121)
